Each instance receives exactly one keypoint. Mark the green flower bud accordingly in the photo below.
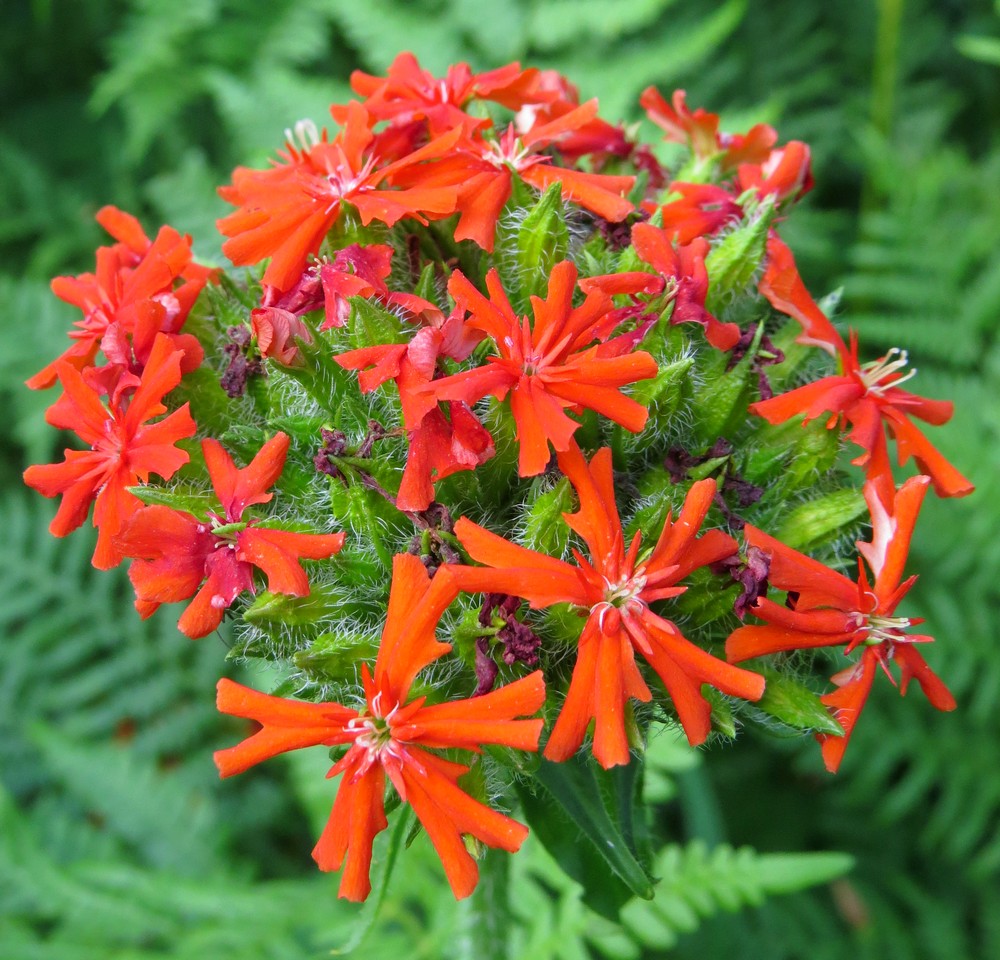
(811, 524)
(733, 263)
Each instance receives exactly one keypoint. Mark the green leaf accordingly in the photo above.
(789, 872)
(721, 400)
(426, 287)
(371, 324)
(544, 528)
(527, 250)
(821, 519)
(794, 704)
(578, 797)
(732, 264)
(542, 241)
(186, 499)
(336, 655)
(663, 393)
(983, 49)
(277, 609)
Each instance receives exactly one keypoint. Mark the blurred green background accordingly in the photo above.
(116, 838)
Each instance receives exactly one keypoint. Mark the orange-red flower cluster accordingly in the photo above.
(285, 212)
(413, 152)
(124, 448)
(141, 288)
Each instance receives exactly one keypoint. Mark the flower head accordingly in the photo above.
(614, 589)
(177, 555)
(484, 168)
(699, 130)
(828, 610)
(410, 94)
(124, 449)
(683, 268)
(394, 737)
(864, 395)
(548, 366)
(286, 211)
(141, 289)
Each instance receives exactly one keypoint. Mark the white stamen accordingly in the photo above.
(873, 373)
(304, 135)
(886, 629)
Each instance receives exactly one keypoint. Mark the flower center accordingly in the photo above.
(342, 180)
(226, 532)
(532, 364)
(304, 135)
(508, 151)
(375, 735)
(875, 373)
(885, 630)
(626, 588)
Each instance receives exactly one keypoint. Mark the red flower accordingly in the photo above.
(485, 170)
(700, 131)
(410, 94)
(830, 610)
(699, 210)
(124, 449)
(177, 556)
(438, 445)
(785, 173)
(276, 331)
(391, 737)
(863, 395)
(683, 268)
(141, 289)
(786, 292)
(547, 367)
(358, 271)
(286, 211)
(615, 589)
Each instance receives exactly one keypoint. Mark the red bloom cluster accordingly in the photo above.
(419, 149)
(141, 288)
(286, 212)
(124, 448)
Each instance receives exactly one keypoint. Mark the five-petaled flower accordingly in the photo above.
(124, 449)
(393, 737)
(614, 589)
(864, 395)
(827, 609)
(548, 366)
(484, 169)
(177, 555)
(410, 94)
(286, 211)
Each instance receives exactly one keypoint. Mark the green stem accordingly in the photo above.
(490, 918)
(885, 71)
